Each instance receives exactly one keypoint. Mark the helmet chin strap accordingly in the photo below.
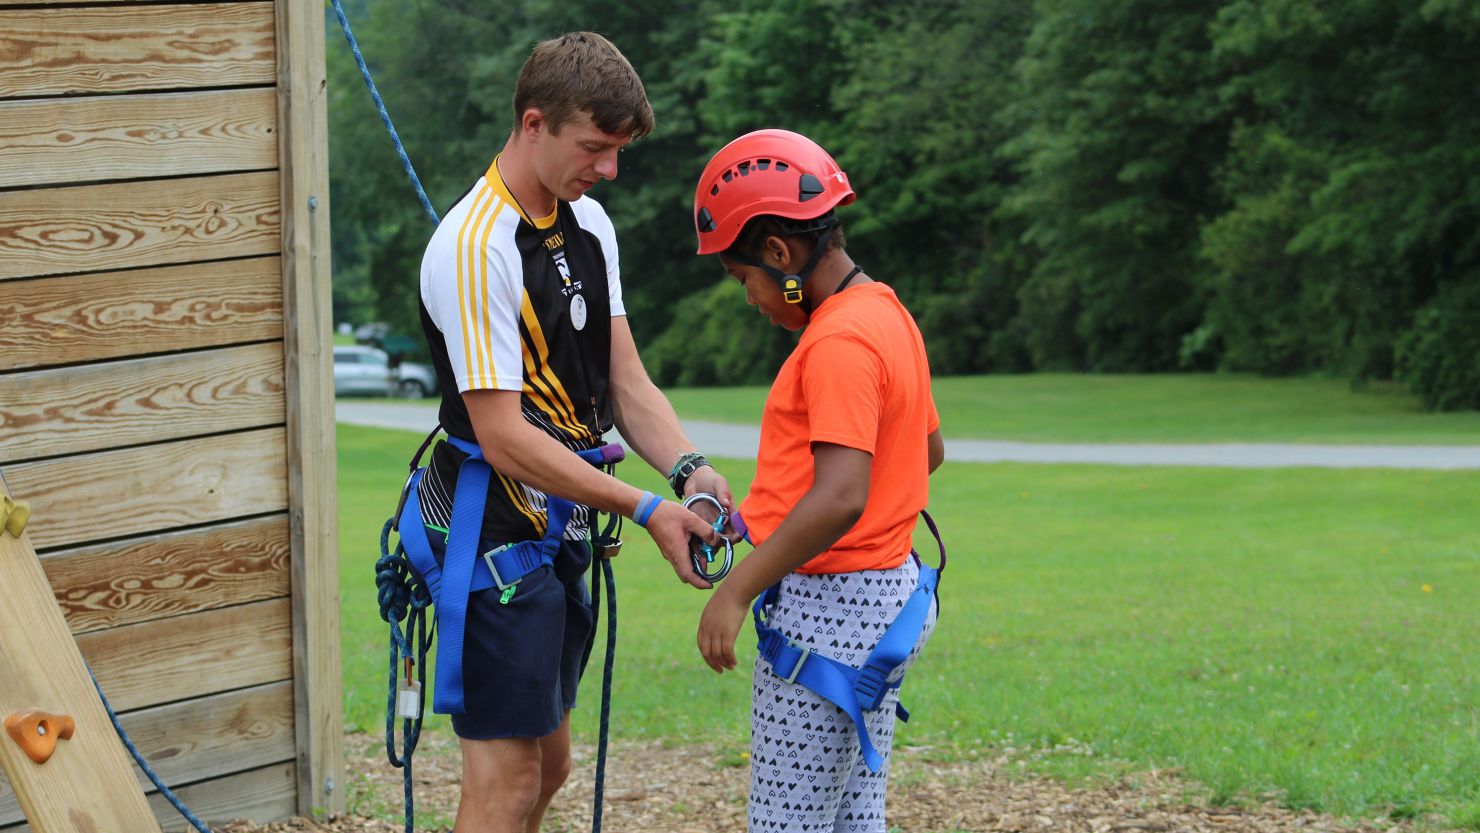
(791, 285)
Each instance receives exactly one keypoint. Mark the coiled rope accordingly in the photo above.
(403, 598)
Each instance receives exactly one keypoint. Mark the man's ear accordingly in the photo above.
(532, 123)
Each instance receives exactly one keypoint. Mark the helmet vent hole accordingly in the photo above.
(810, 187)
(728, 175)
(714, 191)
(762, 164)
(780, 166)
(744, 168)
(706, 221)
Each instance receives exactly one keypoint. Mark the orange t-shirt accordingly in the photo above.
(858, 378)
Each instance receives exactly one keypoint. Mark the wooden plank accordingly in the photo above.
(87, 783)
(261, 795)
(214, 736)
(56, 141)
(141, 580)
(149, 223)
(205, 738)
(68, 410)
(308, 335)
(191, 656)
(66, 51)
(153, 488)
(78, 318)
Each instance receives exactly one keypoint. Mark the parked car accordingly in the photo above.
(416, 380)
(363, 371)
(371, 332)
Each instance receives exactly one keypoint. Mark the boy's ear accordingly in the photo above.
(780, 251)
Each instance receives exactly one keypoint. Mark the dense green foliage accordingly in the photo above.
(1275, 186)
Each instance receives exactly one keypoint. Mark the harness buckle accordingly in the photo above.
(796, 669)
(870, 685)
(493, 567)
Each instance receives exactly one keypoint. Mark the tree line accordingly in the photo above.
(1274, 186)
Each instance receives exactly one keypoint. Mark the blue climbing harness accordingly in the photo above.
(408, 580)
(854, 690)
(462, 572)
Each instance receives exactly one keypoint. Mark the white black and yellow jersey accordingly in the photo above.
(511, 302)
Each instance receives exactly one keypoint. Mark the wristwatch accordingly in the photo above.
(684, 469)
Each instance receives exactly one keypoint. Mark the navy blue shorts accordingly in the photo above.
(523, 660)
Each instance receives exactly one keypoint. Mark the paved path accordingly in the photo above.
(725, 440)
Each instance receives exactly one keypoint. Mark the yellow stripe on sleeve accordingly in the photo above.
(498, 207)
(469, 257)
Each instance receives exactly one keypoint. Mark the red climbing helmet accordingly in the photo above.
(775, 172)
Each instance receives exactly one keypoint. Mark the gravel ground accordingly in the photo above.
(700, 789)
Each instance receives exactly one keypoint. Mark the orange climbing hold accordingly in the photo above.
(37, 732)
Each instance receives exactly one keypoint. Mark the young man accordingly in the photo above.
(849, 436)
(522, 308)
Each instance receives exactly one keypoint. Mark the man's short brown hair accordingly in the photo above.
(583, 72)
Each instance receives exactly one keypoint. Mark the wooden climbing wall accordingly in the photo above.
(165, 379)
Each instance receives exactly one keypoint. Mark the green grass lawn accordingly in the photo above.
(1165, 408)
(1307, 632)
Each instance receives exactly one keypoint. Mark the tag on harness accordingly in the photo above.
(408, 699)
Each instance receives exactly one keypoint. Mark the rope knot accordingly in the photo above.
(396, 587)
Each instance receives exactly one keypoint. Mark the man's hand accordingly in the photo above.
(706, 479)
(671, 525)
(719, 626)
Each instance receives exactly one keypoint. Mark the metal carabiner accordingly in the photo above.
(705, 554)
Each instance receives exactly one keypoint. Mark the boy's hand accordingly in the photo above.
(671, 525)
(719, 626)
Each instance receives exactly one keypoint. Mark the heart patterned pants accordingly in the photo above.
(807, 773)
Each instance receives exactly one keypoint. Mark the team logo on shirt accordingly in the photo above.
(571, 289)
(555, 243)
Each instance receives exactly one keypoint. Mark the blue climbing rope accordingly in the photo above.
(144, 765)
(403, 597)
(385, 117)
(606, 677)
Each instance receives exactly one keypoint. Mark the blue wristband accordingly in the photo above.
(645, 506)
